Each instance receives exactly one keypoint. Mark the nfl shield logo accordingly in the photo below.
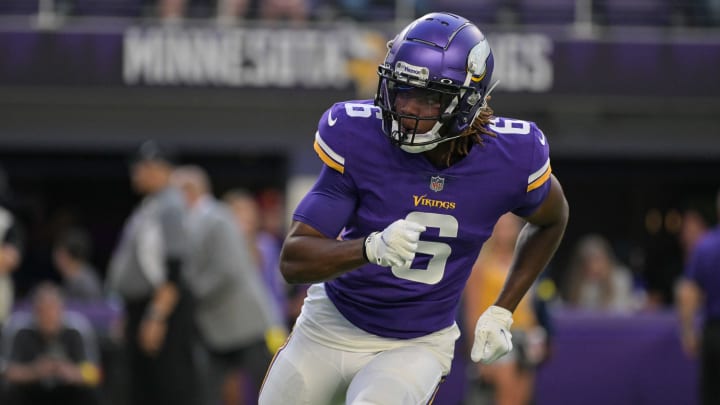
(437, 183)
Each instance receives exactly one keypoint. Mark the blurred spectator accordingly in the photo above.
(291, 10)
(172, 9)
(71, 255)
(9, 261)
(272, 211)
(694, 227)
(52, 354)
(145, 271)
(596, 280)
(511, 379)
(263, 246)
(698, 293)
(230, 11)
(668, 252)
(10, 249)
(261, 221)
(234, 308)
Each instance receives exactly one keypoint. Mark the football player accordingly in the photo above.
(413, 183)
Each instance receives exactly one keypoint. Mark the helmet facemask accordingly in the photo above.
(430, 106)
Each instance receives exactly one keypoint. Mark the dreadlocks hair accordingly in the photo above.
(460, 147)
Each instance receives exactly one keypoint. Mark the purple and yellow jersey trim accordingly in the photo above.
(327, 155)
(539, 177)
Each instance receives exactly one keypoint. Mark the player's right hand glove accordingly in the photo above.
(394, 246)
(492, 335)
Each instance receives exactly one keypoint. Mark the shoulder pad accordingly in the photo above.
(540, 161)
(343, 128)
(531, 144)
(329, 144)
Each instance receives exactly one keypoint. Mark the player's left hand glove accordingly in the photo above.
(492, 335)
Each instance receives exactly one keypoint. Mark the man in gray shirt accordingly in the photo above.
(235, 311)
(145, 271)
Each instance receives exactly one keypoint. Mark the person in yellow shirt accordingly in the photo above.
(512, 377)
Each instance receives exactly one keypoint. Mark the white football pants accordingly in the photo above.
(329, 361)
(308, 373)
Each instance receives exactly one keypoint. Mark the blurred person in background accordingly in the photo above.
(231, 11)
(145, 271)
(294, 11)
(272, 209)
(667, 252)
(235, 313)
(10, 249)
(698, 306)
(167, 10)
(9, 261)
(173, 12)
(260, 218)
(511, 378)
(71, 255)
(225, 11)
(52, 355)
(263, 246)
(10, 256)
(228, 12)
(694, 227)
(597, 281)
(412, 185)
(696, 222)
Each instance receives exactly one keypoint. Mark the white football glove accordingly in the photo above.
(492, 335)
(394, 246)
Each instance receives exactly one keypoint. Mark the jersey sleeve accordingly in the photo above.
(327, 207)
(329, 204)
(539, 170)
(330, 142)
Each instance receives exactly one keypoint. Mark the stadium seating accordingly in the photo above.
(479, 12)
(19, 7)
(110, 8)
(514, 13)
(546, 11)
(636, 12)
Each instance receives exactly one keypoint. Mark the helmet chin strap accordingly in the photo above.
(430, 136)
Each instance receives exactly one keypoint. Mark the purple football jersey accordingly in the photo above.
(368, 182)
